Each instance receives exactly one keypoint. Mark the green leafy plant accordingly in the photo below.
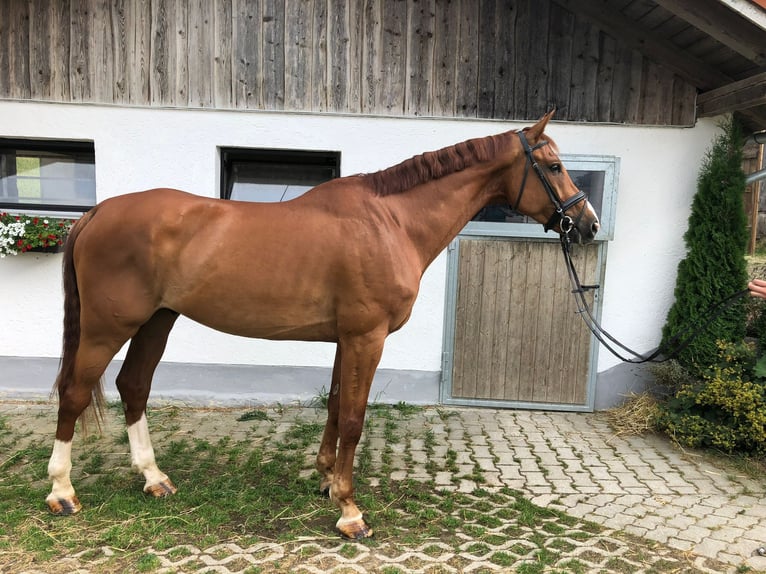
(24, 232)
(725, 410)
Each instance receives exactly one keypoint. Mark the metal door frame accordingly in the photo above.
(610, 166)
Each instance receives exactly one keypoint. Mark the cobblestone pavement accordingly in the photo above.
(656, 502)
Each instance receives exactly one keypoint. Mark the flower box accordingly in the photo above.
(20, 233)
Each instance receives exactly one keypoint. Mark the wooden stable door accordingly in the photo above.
(517, 335)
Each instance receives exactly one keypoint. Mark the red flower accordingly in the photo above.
(34, 221)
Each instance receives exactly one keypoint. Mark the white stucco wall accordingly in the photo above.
(139, 148)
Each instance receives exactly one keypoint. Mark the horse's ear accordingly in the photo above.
(537, 130)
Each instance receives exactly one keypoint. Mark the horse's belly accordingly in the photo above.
(283, 332)
(263, 318)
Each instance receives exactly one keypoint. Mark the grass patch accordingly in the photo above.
(249, 479)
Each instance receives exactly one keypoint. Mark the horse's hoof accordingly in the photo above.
(64, 506)
(161, 489)
(355, 530)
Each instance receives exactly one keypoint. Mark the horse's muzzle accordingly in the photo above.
(585, 230)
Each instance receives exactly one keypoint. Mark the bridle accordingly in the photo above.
(566, 224)
(564, 221)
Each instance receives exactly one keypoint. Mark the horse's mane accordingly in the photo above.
(436, 164)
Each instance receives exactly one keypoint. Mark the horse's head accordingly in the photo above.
(548, 195)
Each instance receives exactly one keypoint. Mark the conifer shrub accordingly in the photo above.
(714, 267)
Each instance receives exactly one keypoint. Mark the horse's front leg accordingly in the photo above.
(360, 357)
(328, 449)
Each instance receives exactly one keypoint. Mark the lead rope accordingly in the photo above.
(674, 346)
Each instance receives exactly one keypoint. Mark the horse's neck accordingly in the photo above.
(434, 213)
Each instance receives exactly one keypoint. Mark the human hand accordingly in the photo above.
(757, 288)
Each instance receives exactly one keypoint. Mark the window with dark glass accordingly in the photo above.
(274, 175)
(591, 182)
(47, 175)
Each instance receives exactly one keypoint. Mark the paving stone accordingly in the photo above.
(442, 479)
(661, 533)
(600, 473)
(680, 543)
(535, 478)
(562, 486)
(554, 472)
(635, 530)
(481, 451)
(627, 479)
(694, 533)
(619, 521)
(657, 486)
(529, 465)
(463, 458)
(580, 478)
(680, 521)
(710, 547)
(486, 464)
(726, 534)
(684, 489)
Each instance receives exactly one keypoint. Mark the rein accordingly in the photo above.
(675, 345)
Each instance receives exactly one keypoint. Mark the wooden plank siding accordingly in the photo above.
(518, 336)
(505, 59)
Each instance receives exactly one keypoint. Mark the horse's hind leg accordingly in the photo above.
(328, 449)
(134, 383)
(75, 396)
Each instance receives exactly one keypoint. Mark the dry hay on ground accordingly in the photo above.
(635, 417)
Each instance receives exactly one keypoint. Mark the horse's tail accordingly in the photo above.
(71, 340)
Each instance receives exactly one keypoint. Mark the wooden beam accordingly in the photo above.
(733, 97)
(651, 45)
(718, 21)
(754, 119)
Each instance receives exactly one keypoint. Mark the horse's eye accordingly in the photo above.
(555, 168)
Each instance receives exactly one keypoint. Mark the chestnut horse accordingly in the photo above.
(341, 263)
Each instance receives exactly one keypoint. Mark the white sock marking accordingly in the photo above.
(142, 453)
(59, 469)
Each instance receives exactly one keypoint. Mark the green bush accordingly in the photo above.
(714, 267)
(725, 410)
(669, 377)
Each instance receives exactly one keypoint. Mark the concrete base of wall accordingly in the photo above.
(230, 385)
(614, 386)
(225, 385)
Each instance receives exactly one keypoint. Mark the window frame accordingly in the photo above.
(54, 146)
(297, 157)
(610, 165)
